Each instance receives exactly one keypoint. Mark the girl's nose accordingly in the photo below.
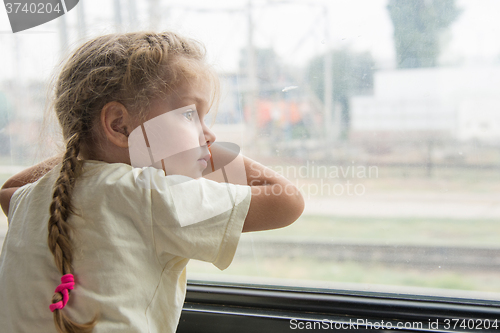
(208, 136)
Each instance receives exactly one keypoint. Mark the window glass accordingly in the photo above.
(384, 113)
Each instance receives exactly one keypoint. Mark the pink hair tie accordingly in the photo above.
(67, 282)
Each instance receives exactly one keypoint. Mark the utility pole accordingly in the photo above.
(82, 27)
(132, 13)
(118, 15)
(328, 83)
(63, 35)
(154, 14)
(17, 62)
(252, 88)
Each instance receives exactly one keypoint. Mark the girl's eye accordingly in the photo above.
(189, 115)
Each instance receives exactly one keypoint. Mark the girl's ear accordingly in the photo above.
(116, 123)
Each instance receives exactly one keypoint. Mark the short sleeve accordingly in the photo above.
(196, 218)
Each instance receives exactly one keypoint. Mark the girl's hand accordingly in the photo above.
(5, 195)
(275, 202)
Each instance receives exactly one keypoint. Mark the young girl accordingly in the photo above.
(116, 250)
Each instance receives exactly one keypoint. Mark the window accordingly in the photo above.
(384, 113)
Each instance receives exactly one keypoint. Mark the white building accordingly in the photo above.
(459, 103)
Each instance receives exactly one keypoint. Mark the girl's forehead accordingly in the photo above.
(188, 93)
(193, 95)
(198, 91)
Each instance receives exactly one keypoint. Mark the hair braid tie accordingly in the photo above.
(67, 283)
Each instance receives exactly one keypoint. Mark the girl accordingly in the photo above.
(115, 251)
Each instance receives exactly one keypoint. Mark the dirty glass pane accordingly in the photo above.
(385, 114)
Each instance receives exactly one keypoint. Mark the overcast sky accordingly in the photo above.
(295, 29)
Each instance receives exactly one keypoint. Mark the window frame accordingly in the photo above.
(226, 307)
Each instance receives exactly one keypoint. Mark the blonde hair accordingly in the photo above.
(130, 68)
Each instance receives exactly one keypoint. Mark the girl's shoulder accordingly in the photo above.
(93, 172)
(103, 172)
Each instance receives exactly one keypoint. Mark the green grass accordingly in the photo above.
(407, 231)
(404, 231)
(352, 272)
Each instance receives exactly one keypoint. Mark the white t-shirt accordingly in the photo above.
(130, 247)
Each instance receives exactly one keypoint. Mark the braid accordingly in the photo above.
(61, 208)
(59, 230)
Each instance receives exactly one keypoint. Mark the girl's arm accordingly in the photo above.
(24, 177)
(275, 202)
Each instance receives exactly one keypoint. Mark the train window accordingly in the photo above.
(385, 114)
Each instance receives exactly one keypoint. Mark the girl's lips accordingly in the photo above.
(203, 162)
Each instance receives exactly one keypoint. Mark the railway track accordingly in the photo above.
(410, 256)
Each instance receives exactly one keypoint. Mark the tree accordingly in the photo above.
(418, 26)
(352, 74)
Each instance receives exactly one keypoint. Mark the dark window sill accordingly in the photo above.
(212, 307)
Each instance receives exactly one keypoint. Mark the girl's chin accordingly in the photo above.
(196, 171)
(195, 174)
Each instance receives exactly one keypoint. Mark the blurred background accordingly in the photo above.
(384, 113)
